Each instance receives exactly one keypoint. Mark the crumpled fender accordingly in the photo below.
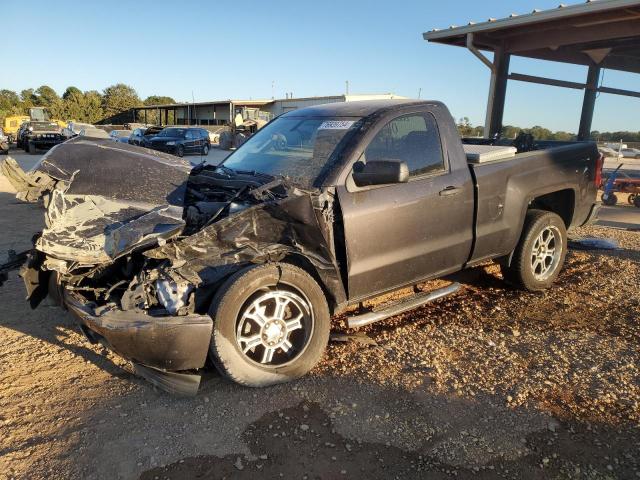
(263, 233)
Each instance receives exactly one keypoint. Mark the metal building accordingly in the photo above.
(222, 112)
(600, 34)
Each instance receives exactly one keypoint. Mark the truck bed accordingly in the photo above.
(567, 170)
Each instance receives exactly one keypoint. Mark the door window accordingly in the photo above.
(413, 139)
(189, 135)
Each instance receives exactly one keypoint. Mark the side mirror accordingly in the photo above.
(380, 172)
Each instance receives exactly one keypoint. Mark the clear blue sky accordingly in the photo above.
(232, 49)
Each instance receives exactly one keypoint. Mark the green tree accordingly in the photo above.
(93, 106)
(71, 92)
(28, 98)
(47, 97)
(465, 129)
(8, 99)
(158, 100)
(119, 98)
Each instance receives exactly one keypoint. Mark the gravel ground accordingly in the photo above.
(489, 383)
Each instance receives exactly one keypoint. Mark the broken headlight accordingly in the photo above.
(173, 296)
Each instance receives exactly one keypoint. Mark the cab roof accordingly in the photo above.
(358, 108)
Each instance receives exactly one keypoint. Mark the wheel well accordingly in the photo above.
(306, 265)
(561, 203)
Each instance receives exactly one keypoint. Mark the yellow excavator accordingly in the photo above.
(12, 124)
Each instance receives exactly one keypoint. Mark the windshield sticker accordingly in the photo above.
(336, 125)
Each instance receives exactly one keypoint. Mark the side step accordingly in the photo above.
(401, 306)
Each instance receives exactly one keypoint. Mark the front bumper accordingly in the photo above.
(46, 143)
(171, 343)
(161, 147)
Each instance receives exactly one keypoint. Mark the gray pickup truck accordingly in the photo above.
(245, 263)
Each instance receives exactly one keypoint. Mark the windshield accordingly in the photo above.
(173, 132)
(295, 147)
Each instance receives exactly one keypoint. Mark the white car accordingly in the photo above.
(630, 153)
(609, 152)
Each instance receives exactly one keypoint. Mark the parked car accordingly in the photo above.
(320, 210)
(181, 140)
(35, 135)
(4, 142)
(93, 132)
(630, 153)
(609, 152)
(121, 136)
(137, 137)
(20, 133)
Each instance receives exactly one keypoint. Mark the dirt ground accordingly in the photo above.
(489, 383)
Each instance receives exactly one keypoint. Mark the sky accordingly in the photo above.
(209, 50)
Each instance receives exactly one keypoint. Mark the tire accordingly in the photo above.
(180, 150)
(531, 271)
(636, 201)
(205, 150)
(32, 148)
(609, 199)
(233, 311)
(631, 198)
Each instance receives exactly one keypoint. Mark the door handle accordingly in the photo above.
(450, 190)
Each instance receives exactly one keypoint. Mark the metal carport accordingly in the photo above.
(601, 34)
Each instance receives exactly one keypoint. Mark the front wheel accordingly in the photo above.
(270, 325)
(205, 150)
(609, 199)
(180, 151)
(540, 253)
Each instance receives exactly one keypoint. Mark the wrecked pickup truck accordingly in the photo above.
(325, 207)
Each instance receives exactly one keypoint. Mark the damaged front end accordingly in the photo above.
(105, 204)
(137, 242)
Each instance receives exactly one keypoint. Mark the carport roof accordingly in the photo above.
(601, 32)
(248, 103)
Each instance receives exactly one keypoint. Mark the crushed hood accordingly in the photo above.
(103, 199)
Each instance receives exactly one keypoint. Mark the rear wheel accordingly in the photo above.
(270, 325)
(609, 199)
(540, 253)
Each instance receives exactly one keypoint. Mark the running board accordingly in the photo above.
(401, 306)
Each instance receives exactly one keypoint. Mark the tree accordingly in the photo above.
(9, 104)
(48, 98)
(119, 98)
(8, 99)
(93, 106)
(464, 127)
(158, 100)
(28, 98)
(71, 92)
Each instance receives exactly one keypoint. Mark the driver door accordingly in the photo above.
(398, 234)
